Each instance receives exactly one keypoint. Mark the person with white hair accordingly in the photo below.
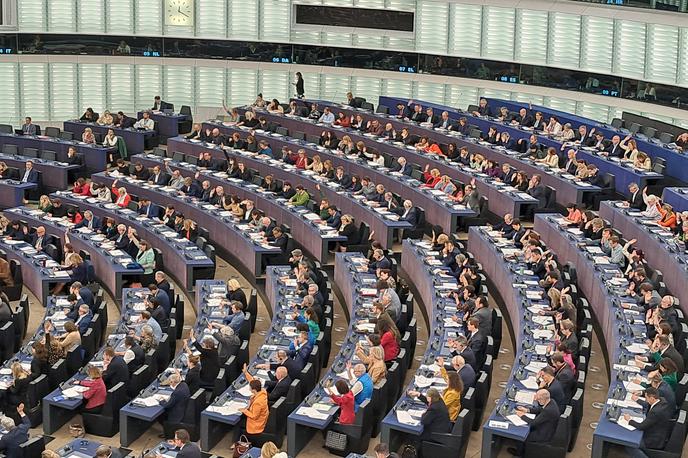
(653, 209)
(16, 435)
(409, 213)
(229, 342)
(363, 384)
(543, 425)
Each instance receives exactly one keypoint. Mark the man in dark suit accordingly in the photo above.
(335, 217)
(636, 200)
(444, 122)
(187, 449)
(507, 173)
(583, 135)
(279, 239)
(16, 434)
(120, 237)
(162, 283)
(123, 121)
(598, 142)
(279, 386)
(162, 297)
(476, 341)
(409, 213)
(90, 221)
(571, 165)
(537, 263)
(543, 426)
(483, 109)
(83, 294)
(523, 118)
(176, 406)
(30, 175)
(146, 208)
(461, 366)
(160, 105)
(530, 147)
(402, 166)
(551, 384)
(564, 375)
(535, 189)
(614, 148)
(133, 356)
(159, 177)
(656, 425)
(115, 370)
(341, 178)
(436, 417)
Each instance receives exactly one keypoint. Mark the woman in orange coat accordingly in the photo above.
(256, 413)
(668, 218)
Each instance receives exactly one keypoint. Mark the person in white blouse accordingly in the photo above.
(567, 134)
(110, 139)
(145, 123)
(554, 126)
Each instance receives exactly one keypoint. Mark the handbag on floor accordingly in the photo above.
(76, 430)
(241, 446)
(335, 441)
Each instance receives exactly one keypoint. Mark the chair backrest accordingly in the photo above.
(52, 131)
(6, 129)
(178, 157)
(678, 434)
(191, 159)
(648, 131)
(282, 131)
(367, 106)
(617, 123)
(382, 109)
(666, 137)
(64, 135)
(32, 447)
(634, 128)
(28, 152)
(185, 110)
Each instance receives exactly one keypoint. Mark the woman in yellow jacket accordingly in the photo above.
(451, 395)
(256, 413)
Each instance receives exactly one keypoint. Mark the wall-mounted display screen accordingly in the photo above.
(362, 18)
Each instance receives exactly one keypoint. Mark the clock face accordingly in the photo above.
(179, 12)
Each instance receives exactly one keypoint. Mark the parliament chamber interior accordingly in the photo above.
(360, 228)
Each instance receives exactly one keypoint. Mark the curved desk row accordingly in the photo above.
(223, 414)
(523, 298)
(225, 233)
(182, 258)
(54, 175)
(383, 226)
(358, 289)
(623, 329)
(137, 141)
(307, 229)
(111, 265)
(657, 243)
(624, 174)
(86, 448)
(675, 161)
(136, 416)
(61, 405)
(95, 156)
(419, 268)
(676, 197)
(568, 188)
(38, 269)
(438, 208)
(502, 199)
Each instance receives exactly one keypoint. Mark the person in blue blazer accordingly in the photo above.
(30, 175)
(16, 434)
(90, 221)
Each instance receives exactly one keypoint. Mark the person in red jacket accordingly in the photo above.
(345, 401)
(122, 199)
(431, 177)
(96, 393)
(82, 187)
(388, 341)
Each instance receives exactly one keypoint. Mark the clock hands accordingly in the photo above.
(179, 10)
